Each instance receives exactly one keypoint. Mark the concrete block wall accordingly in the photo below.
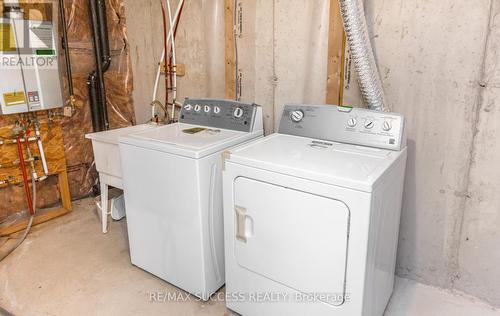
(439, 65)
(438, 60)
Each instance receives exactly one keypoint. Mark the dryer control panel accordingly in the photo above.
(216, 113)
(350, 125)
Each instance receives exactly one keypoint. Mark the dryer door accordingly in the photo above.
(292, 237)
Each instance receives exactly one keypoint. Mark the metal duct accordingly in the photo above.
(362, 54)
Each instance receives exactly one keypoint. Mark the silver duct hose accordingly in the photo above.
(362, 54)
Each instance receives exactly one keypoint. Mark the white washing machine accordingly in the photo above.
(311, 214)
(173, 191)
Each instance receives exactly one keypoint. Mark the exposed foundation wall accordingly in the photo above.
(438, 61)
(200, 46)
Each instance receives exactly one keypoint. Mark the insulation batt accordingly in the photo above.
(78, 151)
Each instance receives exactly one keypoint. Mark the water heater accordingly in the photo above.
(29, 66)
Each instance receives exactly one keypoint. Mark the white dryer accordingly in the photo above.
(173, 191)
(311, 214)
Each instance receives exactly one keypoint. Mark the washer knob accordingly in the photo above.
(188, 107)
(216, 109)
(197, 108)
(369, 123)
(352, 122)
(386, 126)
(297, 116)
(238, 112)
(206, 108)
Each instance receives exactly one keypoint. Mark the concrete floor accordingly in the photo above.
(67, 267)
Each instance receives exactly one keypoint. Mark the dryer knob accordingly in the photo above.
(197, 108)
(352, 122)
(216, 109)
(206, 108)
(386, 126)
(297, 116)
(369, 123)
(238, 113)
(188, 107)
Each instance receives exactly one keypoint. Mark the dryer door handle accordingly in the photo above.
(240, 223)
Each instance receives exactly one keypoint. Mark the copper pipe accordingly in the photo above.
(14, 140)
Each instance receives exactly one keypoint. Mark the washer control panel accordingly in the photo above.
(350, 125)
(216, 113)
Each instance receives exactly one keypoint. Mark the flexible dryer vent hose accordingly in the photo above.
(362, 54)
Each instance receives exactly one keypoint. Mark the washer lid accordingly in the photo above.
(187, 140)
(344, 165)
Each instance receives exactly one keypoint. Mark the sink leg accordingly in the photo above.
(104, 207)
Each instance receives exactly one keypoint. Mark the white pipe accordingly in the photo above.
(172, 39)
(157, 80)
(42, 157)
(213, 23)
(40, 149)
(162, 59)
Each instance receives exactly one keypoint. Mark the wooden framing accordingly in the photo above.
(51, 139)
(229, 46)
(54, 152)
(336, 52)
(45, 215)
